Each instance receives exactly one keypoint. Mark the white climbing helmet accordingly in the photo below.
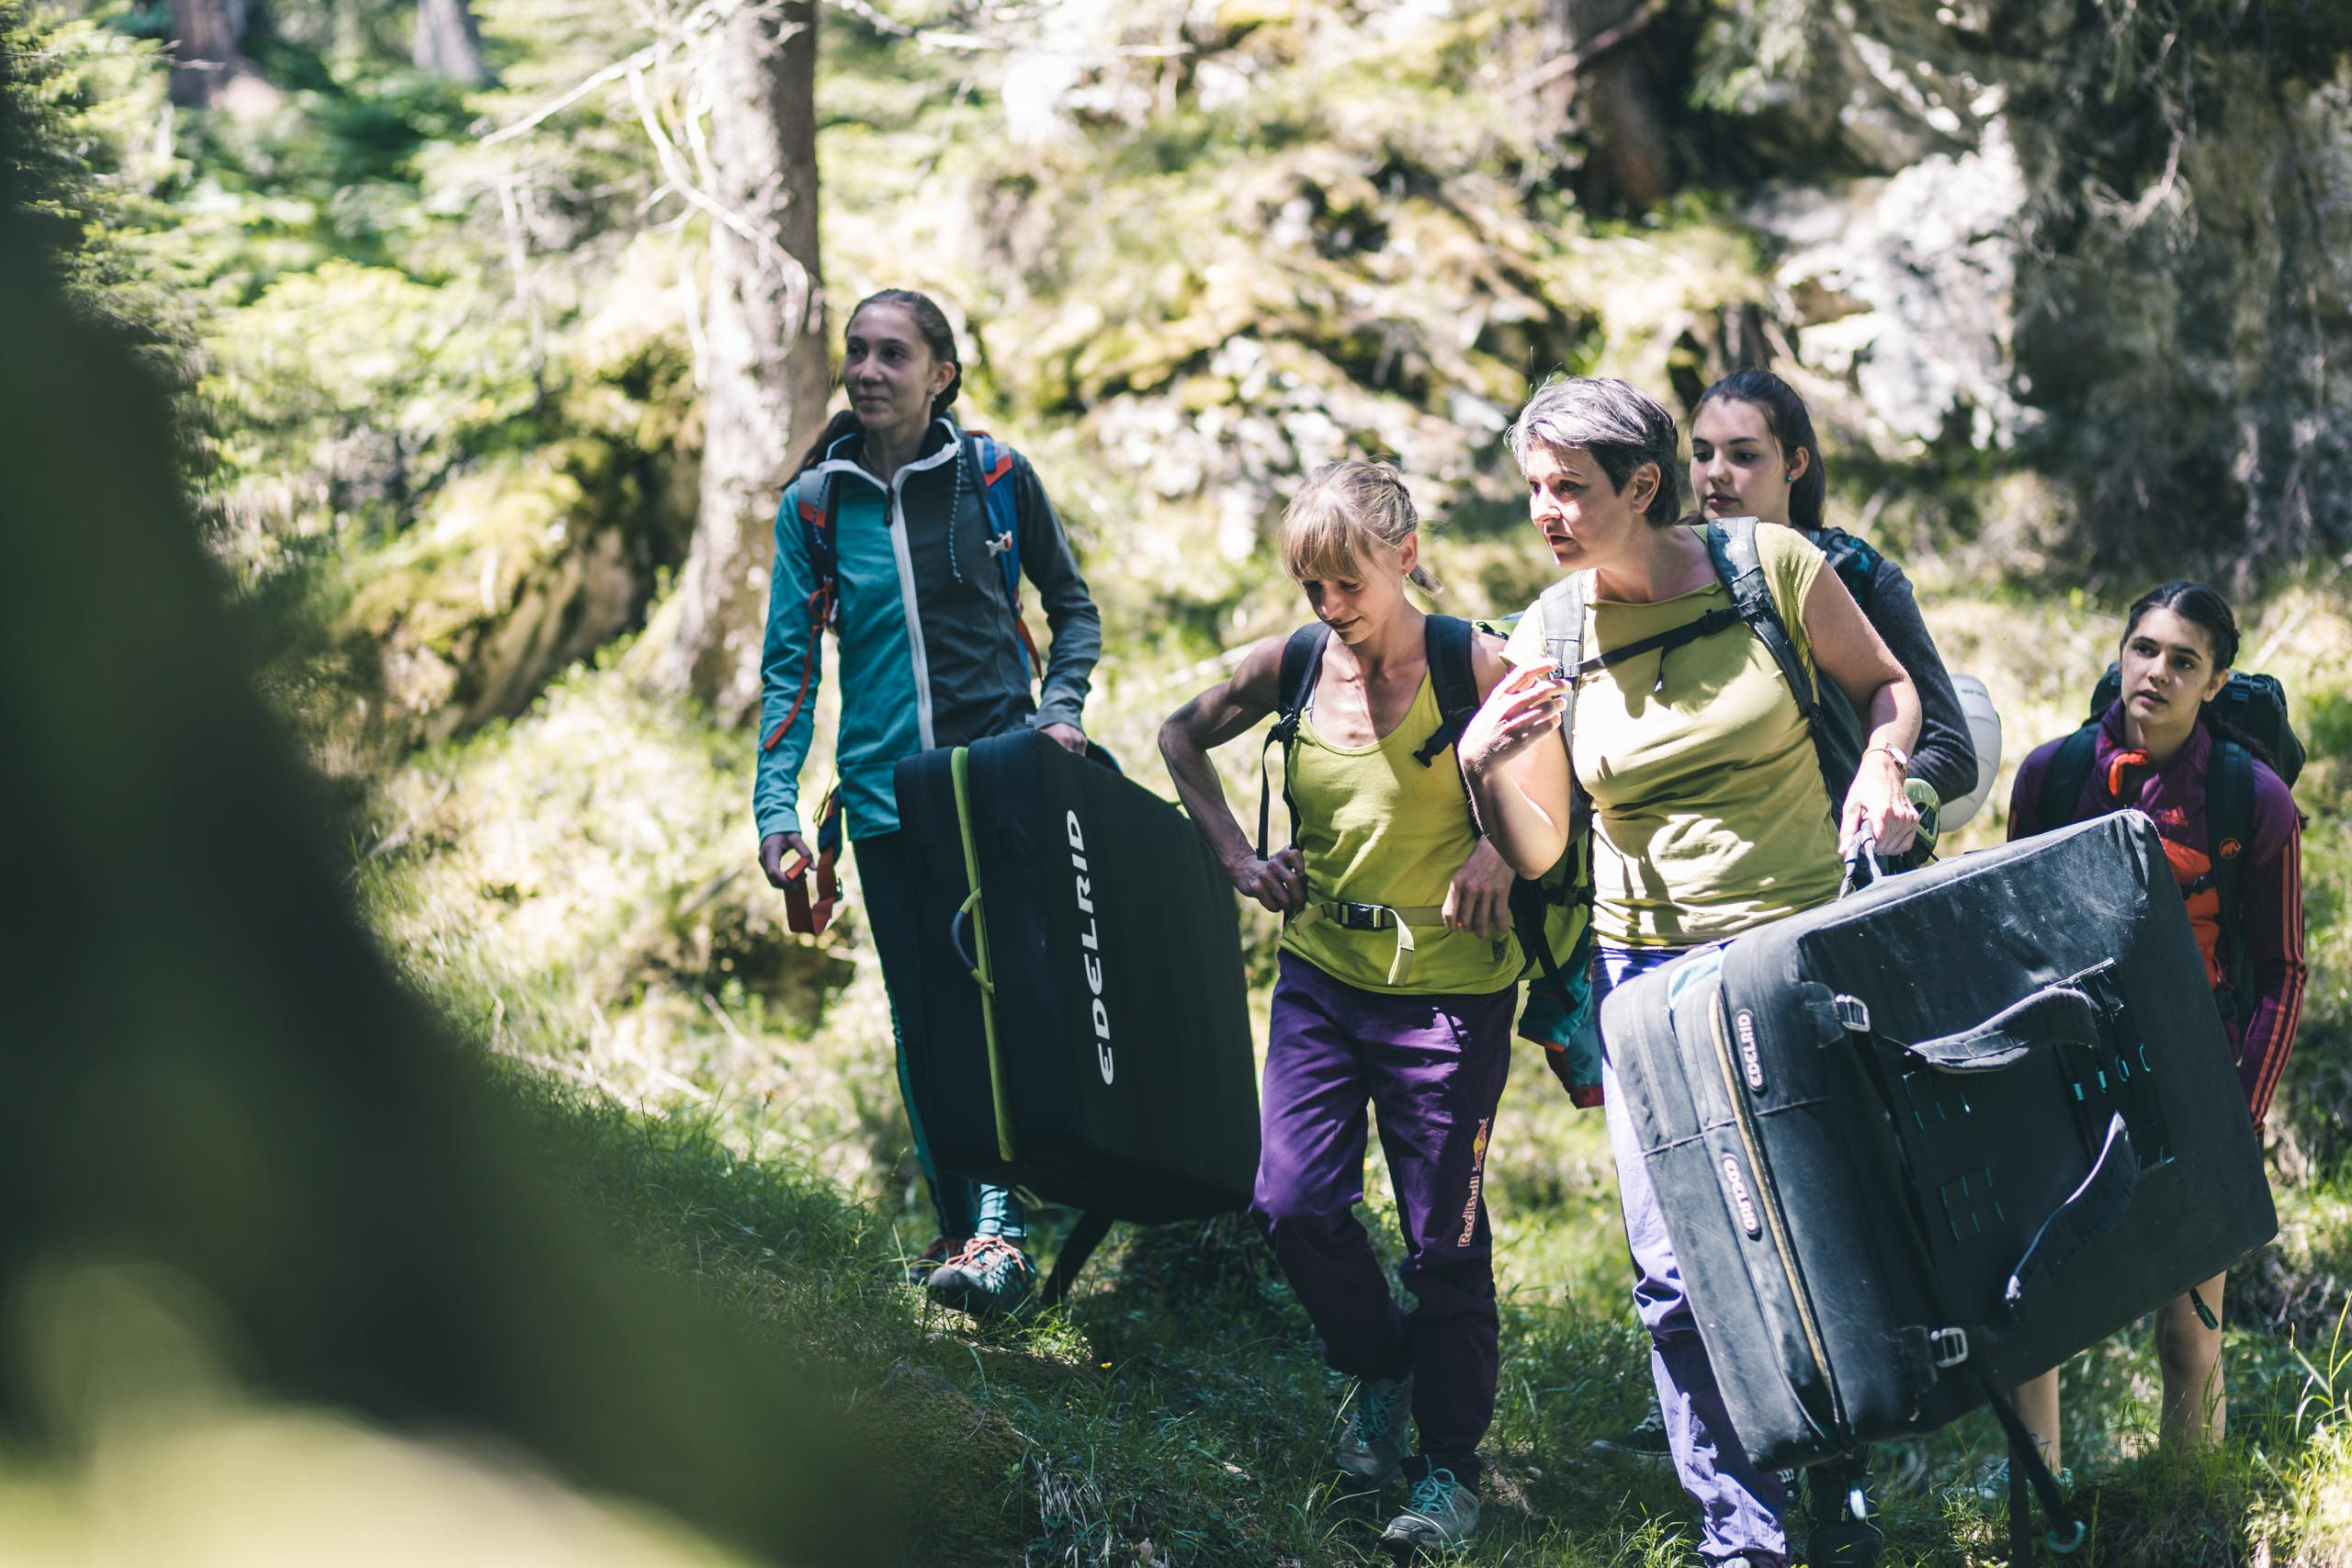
(1984, 729)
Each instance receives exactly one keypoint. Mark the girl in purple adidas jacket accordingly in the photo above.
(2154, 751)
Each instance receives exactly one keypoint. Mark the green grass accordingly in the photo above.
(567, 886)
(1179, 1399)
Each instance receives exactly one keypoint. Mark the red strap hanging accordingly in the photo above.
(800, 914)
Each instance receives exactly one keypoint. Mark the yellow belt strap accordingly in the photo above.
(1383, 917)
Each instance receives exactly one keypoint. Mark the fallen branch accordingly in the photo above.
(573, 1069)
(1584, 55)
(725, 1022)
(789, 271)
(700, 19)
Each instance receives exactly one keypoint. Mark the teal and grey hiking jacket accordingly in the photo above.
(928, 654)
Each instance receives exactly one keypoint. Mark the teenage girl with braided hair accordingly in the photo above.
(2155, 749)
(930, 655)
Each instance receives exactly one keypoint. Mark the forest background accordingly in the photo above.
(487, 332)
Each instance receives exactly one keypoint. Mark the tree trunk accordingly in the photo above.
(208, 68)
(448, 44)
(1614, 100)
(766, 373)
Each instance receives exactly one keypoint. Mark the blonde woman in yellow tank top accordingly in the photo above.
(1418, 1028)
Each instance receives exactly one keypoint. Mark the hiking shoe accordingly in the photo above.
(1439, 1516)
(925, 1264)
(1645, 1441)
(1993, 1484)
(1844, 1531)
(989, 1275)
(1370, 1450)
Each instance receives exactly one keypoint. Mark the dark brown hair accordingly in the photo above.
(1787, 418)
(938, 336)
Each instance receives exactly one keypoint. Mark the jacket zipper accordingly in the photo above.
(1768, 1199)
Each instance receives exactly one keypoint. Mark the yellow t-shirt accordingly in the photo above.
(1376, 827)
(1709, 811)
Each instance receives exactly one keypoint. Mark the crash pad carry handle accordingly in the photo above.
(2096, 1207)
(2054, 1016)
(960, 935)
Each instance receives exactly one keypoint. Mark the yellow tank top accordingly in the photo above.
(1378, 828)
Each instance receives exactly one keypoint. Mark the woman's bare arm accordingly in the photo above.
(1232, 707)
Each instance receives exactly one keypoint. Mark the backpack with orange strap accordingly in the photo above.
(982, 455)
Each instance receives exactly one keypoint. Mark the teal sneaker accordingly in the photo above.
(1440, 1516)
(987, 1278)
(1370, 1450)
(925, 1264)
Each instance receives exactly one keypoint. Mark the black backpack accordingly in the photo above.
(1551, 915)
(2254, 705)
(1855, 562)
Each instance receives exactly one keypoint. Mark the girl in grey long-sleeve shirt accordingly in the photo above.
(1753, 455)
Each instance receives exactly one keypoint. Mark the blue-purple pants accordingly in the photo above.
(1739, 1505)
(1432, 1067)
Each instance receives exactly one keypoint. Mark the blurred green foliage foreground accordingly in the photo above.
(224, 1125)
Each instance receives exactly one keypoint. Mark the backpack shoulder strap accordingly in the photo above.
(1731, 545)
(1302, 659)
(1449, 642)
(991, 464)
(824, 599)
(2229, 828)
(1837, 744)
(817, 516)
(1562, 608)
(2069, 775)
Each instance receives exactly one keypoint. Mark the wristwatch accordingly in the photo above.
(1902, 758)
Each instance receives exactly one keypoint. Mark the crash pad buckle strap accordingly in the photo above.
(1078, 1247)
(1948, 1347)
(2090, 1212)
(2028, 1469)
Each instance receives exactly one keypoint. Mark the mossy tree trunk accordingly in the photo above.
(448, 44)
(766, 376)
(209, 59)
(1614, 100)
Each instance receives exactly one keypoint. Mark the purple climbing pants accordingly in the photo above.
(1739, 1505)
(1432, 1067)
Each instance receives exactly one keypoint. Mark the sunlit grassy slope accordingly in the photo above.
(1357, 248)
(578, 884)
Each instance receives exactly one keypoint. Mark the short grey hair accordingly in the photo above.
(1619, 426)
